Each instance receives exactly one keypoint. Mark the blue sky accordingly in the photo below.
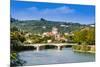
(84, 14)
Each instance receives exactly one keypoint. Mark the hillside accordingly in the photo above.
(42, 25)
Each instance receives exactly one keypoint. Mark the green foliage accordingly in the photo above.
(14, 29)
(15, 61)
(85, 36)
(69, 38)
(75, 47)
(40, 39)
(17, 36)
(13, 56)
(36, 26)
(81, 47)
(85, 48)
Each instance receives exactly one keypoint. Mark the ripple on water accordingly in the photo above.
(53, 56)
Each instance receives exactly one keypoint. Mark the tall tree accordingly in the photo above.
(86, 36)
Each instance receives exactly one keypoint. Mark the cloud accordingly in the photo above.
(48, 13)
(58, 11)
(32, 8)
(52, 11)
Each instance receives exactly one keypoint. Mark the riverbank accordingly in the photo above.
(84, 48)
(84, 51)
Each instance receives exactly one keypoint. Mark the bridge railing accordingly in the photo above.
(56, 44)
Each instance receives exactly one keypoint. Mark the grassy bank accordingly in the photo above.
(84, 48)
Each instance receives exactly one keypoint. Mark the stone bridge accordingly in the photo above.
(58, 45)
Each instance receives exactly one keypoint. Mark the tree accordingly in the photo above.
(85, 36)
(91, 37)
(17, 36)
(14, 29)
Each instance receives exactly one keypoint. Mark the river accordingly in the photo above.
(53, 56)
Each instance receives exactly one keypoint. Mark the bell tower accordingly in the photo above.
(54, 30)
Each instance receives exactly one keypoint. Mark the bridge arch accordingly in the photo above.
(29, 47)
(48, 46)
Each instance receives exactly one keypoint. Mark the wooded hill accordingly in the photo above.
(42, 25)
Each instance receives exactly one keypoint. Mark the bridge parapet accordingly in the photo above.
(54, 44)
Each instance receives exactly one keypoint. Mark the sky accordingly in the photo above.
(84, 14)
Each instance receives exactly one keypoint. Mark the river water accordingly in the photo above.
(53, 56)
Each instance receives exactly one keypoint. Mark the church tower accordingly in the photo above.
(54, 30)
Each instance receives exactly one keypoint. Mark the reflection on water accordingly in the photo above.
(53, 56)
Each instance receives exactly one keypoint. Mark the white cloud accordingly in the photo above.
(52, 11)
(47, 13)
(32, 8)
(59, 10)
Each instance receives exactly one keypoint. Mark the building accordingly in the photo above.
(55, 30)
(92, 25)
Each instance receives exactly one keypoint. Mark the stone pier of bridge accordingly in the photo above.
(37, 48)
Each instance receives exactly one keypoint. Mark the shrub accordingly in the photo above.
(76, 47)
